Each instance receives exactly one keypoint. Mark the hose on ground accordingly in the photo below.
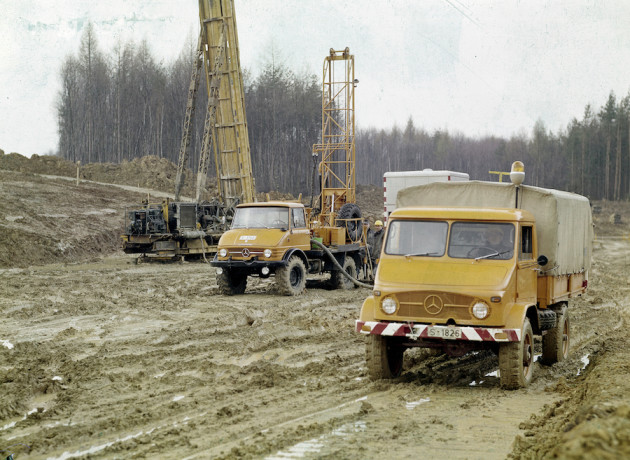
(338, 265)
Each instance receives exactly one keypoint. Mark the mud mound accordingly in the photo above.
(45, 220)
(592, 420)
(370, 201)
(149, 172)
(44, 164)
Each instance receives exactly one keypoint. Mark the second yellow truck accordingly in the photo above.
(477, 265)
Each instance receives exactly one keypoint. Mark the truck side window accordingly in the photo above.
(298, 218)
(527, 251)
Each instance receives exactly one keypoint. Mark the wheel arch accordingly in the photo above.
(518, 313)
(296, 252)
(368, 309)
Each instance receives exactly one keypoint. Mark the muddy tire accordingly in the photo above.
(555, 343)
(291, 279)
(231, 284)
(516, 360)
(338, 280)
(384, 357)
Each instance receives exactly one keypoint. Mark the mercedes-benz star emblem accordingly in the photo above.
(433, 304)
(245, 252)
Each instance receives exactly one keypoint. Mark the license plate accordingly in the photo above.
(449, 333)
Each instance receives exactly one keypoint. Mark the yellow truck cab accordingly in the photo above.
(484, 274)
(273, 239)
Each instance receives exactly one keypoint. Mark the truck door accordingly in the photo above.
(300, 236)
(526, 277)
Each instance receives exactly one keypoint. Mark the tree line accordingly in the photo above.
(122, 105)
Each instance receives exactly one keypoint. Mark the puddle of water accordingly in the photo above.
(102, 211)
(56, 377)
(94, 449)
(11, 271)
(315, 445)
(293, 421)
(299, 450)
(494, 373)
(412, 405)
(7, 344)
(585, 361)
(474, 383)
(12, 424)
(178, 398)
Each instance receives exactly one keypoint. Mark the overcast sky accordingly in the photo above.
(476, 67)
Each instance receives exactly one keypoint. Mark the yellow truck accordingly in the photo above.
(476, 265)
(275, 238)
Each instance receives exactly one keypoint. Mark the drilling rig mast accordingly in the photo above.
(336, 151)
(177, 228)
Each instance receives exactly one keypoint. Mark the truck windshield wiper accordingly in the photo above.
(493, 254)
(417, 254)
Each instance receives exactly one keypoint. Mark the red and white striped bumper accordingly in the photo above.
(421, 331)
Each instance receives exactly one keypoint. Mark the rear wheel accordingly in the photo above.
(291, 279)
(230, 283)
(339, 280)
(555, 343)
(516, 360)
(384, 357)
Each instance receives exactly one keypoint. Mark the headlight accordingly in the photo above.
(389, 306)
(267, 253)
(223, 252)
(265, 271)
(219, 271)
(480, 310)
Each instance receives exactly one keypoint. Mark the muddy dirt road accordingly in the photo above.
(115, 360)
(107, 359)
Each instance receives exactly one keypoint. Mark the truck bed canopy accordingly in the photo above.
(563, 219)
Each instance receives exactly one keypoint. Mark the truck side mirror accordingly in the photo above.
(542, 261)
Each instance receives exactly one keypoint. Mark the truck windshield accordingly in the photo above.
(416, 238)
(261, 217)
(481, 240)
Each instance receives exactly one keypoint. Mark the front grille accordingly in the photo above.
(434, 305)
(237, 254)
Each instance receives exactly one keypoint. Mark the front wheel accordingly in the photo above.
(555, 343)
(231, 284)
(384, 357)
(516, 360)
(291, 279)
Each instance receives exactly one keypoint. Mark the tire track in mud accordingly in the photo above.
(189, 348)
(151, 362)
